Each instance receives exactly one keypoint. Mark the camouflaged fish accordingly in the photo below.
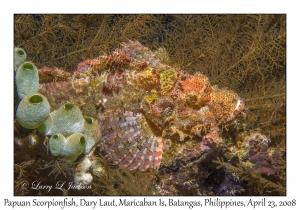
(140, 103)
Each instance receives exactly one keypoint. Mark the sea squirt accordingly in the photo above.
(27, 79)
(33, 110)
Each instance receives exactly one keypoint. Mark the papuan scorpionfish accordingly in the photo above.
(142, 105)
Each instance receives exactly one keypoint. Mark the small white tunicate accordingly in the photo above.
(87, 178)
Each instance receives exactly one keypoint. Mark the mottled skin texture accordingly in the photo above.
(173, 104)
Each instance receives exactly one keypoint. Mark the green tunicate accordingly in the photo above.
(45, 127)
(56, 144)
(75, 145)
(33, 110)
(67, 120)
(27, 79)
(92, 133)
(19, 57)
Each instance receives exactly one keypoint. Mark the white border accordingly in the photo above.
(8, 8)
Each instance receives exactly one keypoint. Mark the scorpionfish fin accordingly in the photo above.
(128, 141)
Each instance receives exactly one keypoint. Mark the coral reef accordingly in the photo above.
(146, 121)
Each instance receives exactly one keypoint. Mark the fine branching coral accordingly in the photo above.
(64, 40)
(245, 53)
(120, 181)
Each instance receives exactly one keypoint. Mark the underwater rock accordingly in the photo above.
(178, 179)
(255, 150)
(265, 158)
(33, 110)
(27, 79)
(19, 57)
(229, 185)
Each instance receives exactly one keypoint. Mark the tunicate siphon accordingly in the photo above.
(92, 133)
(19, 57)
(27, 79)
(67, 120)
(56, 144)
(33, 110)
(74, 146)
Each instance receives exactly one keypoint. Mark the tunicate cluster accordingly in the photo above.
(67, 120)
(34, 108)
(82, 133)
(71, 133)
